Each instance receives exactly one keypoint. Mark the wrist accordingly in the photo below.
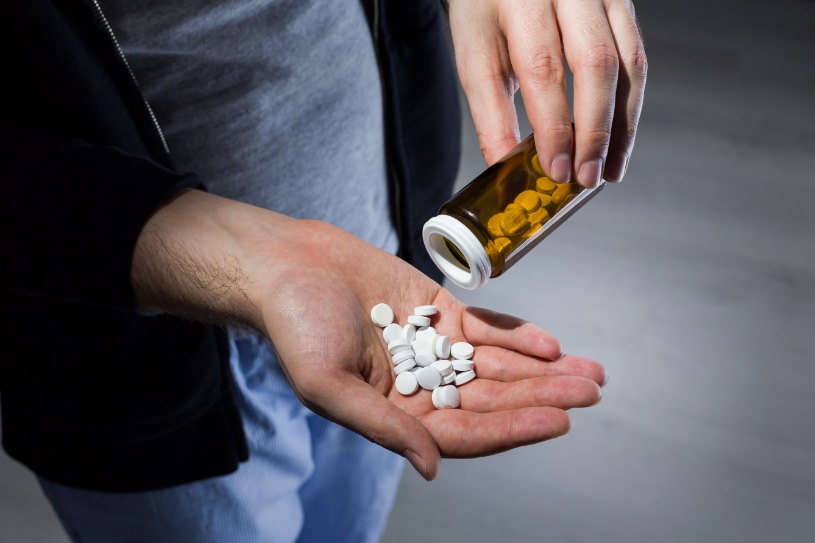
(212, 259)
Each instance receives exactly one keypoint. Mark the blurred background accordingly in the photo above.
(693, 281)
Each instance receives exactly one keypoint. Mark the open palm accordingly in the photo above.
(337, 360)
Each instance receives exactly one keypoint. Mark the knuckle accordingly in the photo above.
(597, 137)
(636, 64)
(555, 131)
(544, 67)
(491, 146)
(601, 57)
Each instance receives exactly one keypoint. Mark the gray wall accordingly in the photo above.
(693, 281)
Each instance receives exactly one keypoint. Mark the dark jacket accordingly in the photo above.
(93, 393)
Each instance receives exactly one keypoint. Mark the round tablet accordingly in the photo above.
(451, 396)
(391, 332)
(419, 320)
(382, 315)
(409, 333)
(425, 332)
(444, 367)
(449, 379)
(429, 378)
(406, 383)
(404, 366)
(424, 358)
(438, 402)
(425, 310)
(464, 377)
(422, 344)
(462, 350)
(397, 345)
(401, 356)
(441, 346)
(463, 365)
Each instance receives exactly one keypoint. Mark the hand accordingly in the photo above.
(504, 45)
(310, 286)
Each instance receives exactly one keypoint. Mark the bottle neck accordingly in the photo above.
(441, 231)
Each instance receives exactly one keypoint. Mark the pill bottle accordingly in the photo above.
(495, 220)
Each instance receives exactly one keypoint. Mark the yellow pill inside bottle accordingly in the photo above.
(494, 225)
(529, 200)
(561, 192)
(539, 216)
(502, 245)
(514, 220)
(545, 185)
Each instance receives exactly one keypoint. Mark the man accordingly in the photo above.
(133, 412)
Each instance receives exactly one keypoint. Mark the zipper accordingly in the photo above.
(393, 176)
(104, 20)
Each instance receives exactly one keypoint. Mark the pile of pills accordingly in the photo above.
(421, 356)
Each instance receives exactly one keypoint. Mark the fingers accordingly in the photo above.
(486, 75)
(564, 392)
(592, 55)
(485, 327)
(466, 434)
(533, 39)
(630, 88)
(502, 365)
(348, 400)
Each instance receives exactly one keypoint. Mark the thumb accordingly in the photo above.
(360, 407)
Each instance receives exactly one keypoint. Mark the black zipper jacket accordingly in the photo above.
(95, 394)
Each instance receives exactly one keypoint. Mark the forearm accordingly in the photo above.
(207, 258)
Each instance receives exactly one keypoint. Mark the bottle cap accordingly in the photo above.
(478, 268)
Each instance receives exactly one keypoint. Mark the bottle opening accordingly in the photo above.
(456, 251)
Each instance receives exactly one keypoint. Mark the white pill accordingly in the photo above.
(425, 332)
(406, 383)
(463, 365)
(415, 369)
(424, 358)
(451, 396)
(438, 402)
(425, 310)
(391, 332)
(401, 356)
(417, 320)
(464, 377)
(446, 397)
(462, 350)
(422, 344)
(409, 333)
(382, 315)
(444, 367)
(429, 378)
(397, 345)
(404, 366)
(441, 346)
(448, 379)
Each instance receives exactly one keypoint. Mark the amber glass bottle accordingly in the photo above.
(491, 223)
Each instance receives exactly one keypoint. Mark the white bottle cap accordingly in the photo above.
(444, 226)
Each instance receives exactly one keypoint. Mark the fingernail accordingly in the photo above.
(561, 170)
(616, 165)
(589, 175)
(417, 463)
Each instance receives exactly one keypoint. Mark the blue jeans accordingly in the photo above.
(307, 479)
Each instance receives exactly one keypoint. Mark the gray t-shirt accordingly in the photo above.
(272, 102)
